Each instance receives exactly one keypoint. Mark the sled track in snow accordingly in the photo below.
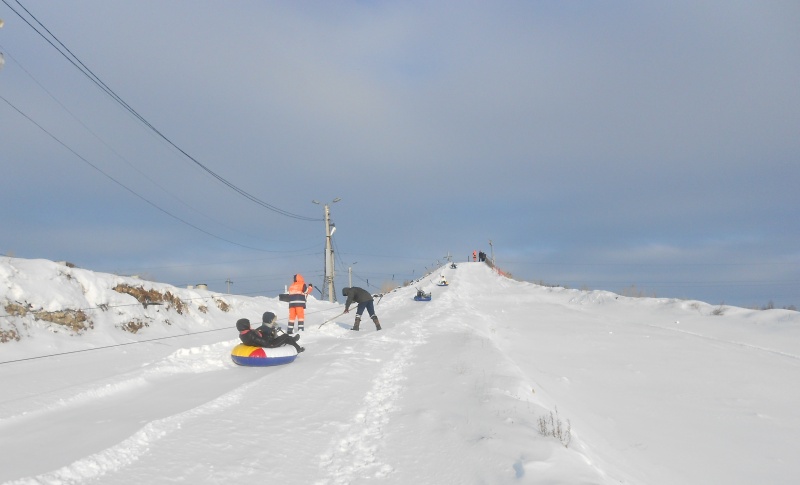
(131, 449)
(728, 342)
(356, 454)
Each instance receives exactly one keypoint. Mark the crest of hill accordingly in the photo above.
(55, 302)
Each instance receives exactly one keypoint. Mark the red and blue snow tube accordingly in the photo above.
(261, 357)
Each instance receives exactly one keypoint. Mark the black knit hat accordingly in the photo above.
(242, 324)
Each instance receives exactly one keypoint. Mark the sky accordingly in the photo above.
(646, 149)
(644, 390)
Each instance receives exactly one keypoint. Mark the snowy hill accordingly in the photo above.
(455, 390)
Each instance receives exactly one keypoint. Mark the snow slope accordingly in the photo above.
(654, 391)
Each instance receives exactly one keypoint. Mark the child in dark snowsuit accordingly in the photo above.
(266, 335)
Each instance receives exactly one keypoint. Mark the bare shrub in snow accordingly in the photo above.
(551, 425)
(134, 325)
(222, 305)
(9, 335)
(152, 297)
(75, 320)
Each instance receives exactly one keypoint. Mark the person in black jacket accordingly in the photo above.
(267, 334)
(364, 300)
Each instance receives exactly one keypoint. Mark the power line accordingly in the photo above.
(78, 64)
(111, 346)
(115, 152)
(125, 186)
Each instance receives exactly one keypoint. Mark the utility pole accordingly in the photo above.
(350, 275)
(229, 282)
(2, 59)
(330, 228)
(329, 264)
(491, 248)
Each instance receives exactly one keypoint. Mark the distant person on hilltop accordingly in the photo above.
(266, 335)
(474, 256)
(298, 292)
(364, 300)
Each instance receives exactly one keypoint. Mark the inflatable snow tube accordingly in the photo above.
(260, 357)
(442, 284)
(423, 298)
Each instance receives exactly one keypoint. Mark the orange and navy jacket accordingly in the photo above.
(298, 291)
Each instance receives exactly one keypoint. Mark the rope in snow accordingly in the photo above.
(119, 345)
(126, 343)
(106, 307)
(111, 346)
(144, 304)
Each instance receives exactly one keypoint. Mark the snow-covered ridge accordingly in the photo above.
(41, 298)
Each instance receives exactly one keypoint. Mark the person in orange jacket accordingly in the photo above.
(474, 255)
(298, 292)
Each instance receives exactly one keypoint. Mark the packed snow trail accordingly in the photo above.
(355, 450)
(155, 393)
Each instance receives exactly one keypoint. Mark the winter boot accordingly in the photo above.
(377, 323)
(358, 322)
(301, 326)
(290, 330)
